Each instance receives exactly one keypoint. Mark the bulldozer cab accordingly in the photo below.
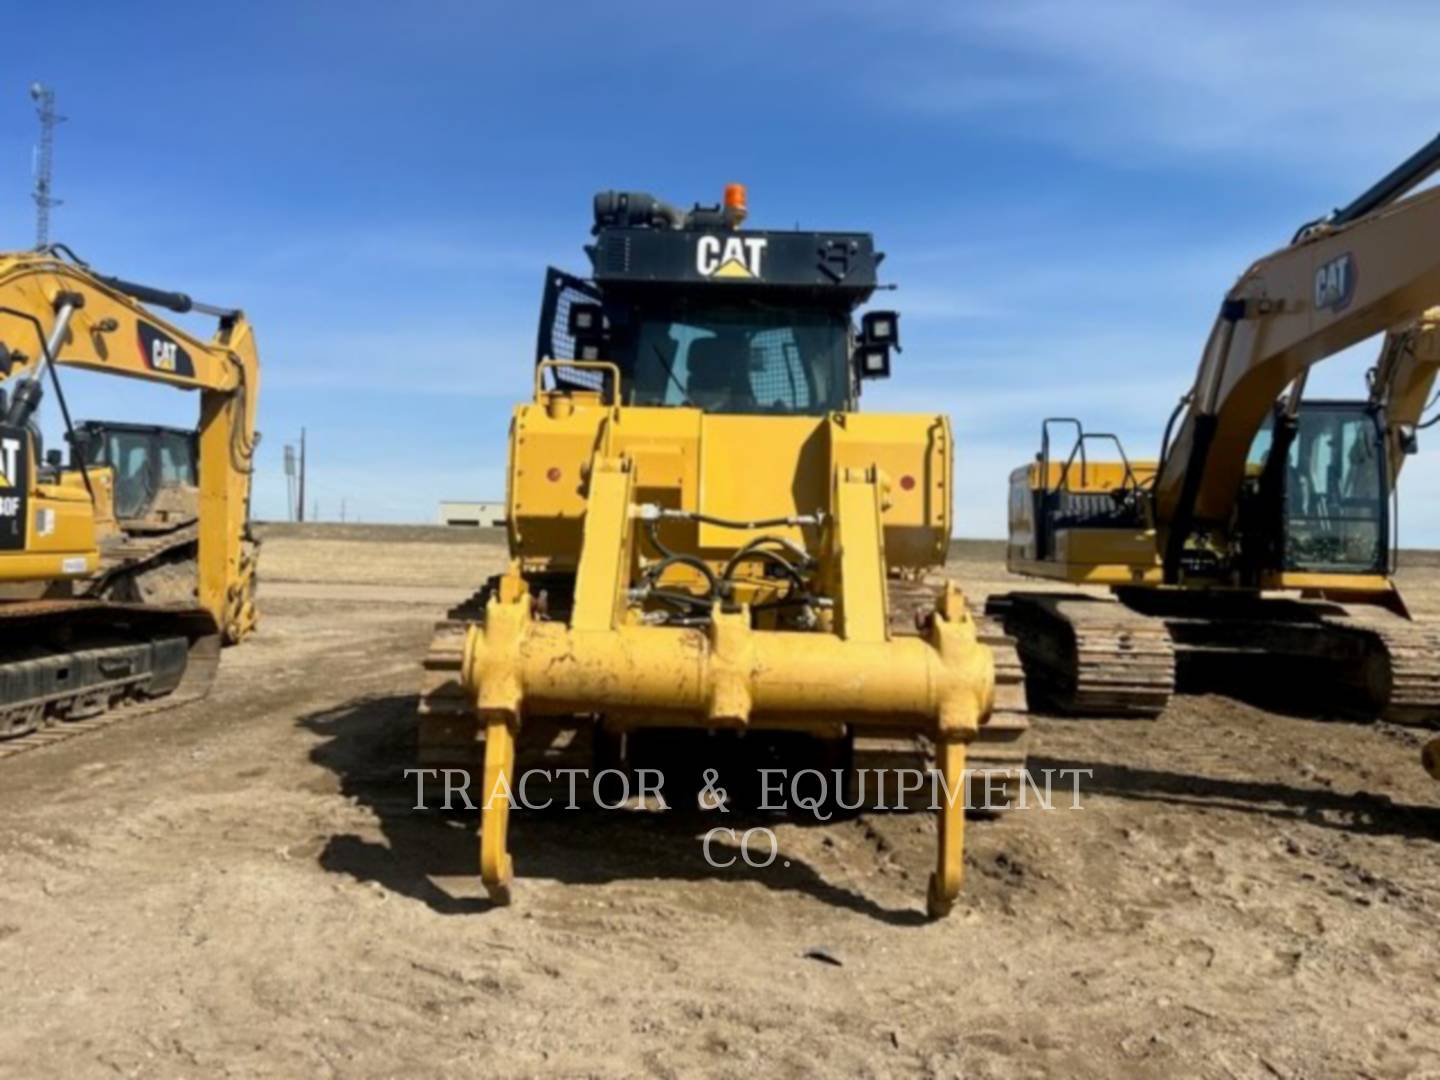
(155, 470)
(695, 312)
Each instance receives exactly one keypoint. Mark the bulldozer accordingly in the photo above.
(708, 538)
(126, 563)
(1261, 543)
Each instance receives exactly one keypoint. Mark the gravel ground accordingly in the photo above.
(241, 887)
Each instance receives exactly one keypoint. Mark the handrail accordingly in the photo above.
(606, 366)
(1104, 436)
(1045, 448)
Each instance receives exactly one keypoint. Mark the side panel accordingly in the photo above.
(549, 450)
(914, 453)
(1021, 536)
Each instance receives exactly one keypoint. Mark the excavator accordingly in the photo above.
(124, 568)
(708, 538)
(1262, 539)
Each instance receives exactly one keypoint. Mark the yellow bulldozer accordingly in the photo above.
(125, 564)
(1261, 543)
(708, 536)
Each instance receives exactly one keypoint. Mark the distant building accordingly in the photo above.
(483, 515)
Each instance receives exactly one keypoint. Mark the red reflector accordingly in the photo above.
(907, 483)
(552, 474)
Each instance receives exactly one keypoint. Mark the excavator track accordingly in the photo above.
(1088, 655)
(1401, 683)
(447, 725)
(1091, 656)
(69, 667)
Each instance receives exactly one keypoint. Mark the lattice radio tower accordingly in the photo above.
(44, 99)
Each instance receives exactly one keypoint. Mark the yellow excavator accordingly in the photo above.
(705, 533)
(1263, 537)
(124, 568)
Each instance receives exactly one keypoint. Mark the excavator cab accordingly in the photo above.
(1333, 492)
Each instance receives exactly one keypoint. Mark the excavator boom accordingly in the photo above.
(1342, 281)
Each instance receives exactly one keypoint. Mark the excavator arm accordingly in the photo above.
(1366, 270)
(56, 312)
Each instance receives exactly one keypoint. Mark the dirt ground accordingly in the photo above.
(241, 887)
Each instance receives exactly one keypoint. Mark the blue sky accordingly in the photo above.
(1064, 191)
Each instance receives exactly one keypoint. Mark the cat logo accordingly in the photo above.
(730, 257)
(1335, 284)
(9, 461)
(160, 352)
(13, 486)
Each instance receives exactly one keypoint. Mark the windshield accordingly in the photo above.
(738, 359)
(139, 472)
(1335, 482)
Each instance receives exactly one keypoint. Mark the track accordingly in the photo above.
(1001, 748)
(1095, 656)
(154, 568)
(1089, 655)
(135, 643)
(1403, 685)
(440, 691)
(998, 753)
(110, 672)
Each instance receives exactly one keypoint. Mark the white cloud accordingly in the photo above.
(1330, 81)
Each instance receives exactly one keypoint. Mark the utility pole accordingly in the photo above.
(44, 99)
(289, 482)
(301, 503)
